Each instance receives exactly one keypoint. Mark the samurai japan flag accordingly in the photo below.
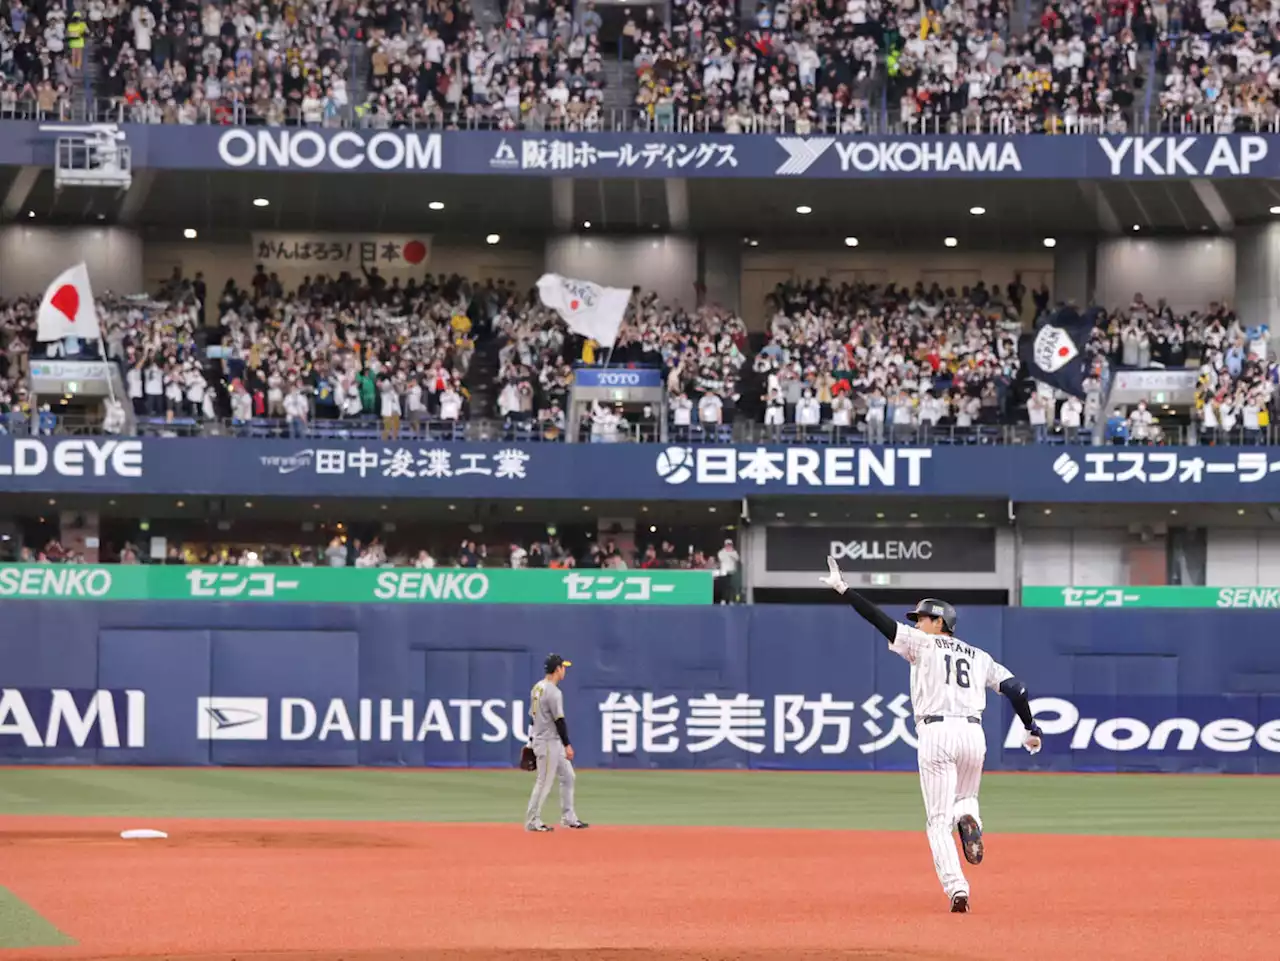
(1055, 354)
(67, 309)
(589, 309)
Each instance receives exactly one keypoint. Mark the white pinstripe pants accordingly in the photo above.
(951, 753)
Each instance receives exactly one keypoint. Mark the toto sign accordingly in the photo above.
(619, 377)
(882, 549)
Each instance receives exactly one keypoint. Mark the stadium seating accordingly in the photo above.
(795, 65)
(846, 363)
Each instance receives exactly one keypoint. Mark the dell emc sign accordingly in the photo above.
(882, 549)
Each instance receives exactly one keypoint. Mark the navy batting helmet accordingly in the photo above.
(932, 607)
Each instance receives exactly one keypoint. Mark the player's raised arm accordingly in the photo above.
(877, 618)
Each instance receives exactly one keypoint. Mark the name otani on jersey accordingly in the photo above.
(948, 676)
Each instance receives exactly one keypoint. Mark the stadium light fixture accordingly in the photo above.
(492, 239)
(804, 209)
(436, 205)
(1050, 242)
(951, 241)
(977, 211)
(1136, 228)
(31, 214)
(586, 225)
(261, 202)
(755, 243)
(190, 233)
(851, 241)
(1275, 209)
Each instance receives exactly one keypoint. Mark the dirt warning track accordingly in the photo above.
(350, 891)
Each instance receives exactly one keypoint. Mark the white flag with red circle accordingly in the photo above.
(589, 309)
(67, 309)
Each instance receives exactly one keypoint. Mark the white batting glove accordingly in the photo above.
(834, 580)
(1032, 743)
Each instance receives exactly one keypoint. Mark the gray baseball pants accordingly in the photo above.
(551, 764)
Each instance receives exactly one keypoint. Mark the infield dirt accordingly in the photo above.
(325, 891)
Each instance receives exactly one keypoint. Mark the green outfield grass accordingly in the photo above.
(1118, 804)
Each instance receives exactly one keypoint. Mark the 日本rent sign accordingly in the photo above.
(353, 585)
(1223, 598)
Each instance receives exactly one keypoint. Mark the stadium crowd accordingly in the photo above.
(367, 357)
(701, 549)
(1216, 61)
(797, 65)
(338, 349)
(886, 361)
(701, 353)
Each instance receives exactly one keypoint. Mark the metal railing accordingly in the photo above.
(861, 120)
(435, 431)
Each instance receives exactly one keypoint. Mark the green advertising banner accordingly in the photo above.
(352, 585)
(1220, 597)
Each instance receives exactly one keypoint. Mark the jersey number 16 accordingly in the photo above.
(962, 671)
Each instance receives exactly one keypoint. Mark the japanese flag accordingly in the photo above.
(67, 309)
(589, 309)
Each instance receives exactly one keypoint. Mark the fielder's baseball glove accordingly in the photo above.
(528, 760)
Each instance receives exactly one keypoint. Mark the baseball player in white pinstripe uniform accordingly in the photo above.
(949, 682)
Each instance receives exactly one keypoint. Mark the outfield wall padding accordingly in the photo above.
(783, 687)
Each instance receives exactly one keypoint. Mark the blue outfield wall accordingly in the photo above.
(809, 687)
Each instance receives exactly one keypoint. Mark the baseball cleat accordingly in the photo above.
(960, 903)
(970, 838)
(540, 829)
(576, 824)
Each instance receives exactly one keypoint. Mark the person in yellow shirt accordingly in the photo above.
(76, 30)
(589, 352)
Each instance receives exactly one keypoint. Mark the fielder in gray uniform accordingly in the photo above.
(550, 739)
